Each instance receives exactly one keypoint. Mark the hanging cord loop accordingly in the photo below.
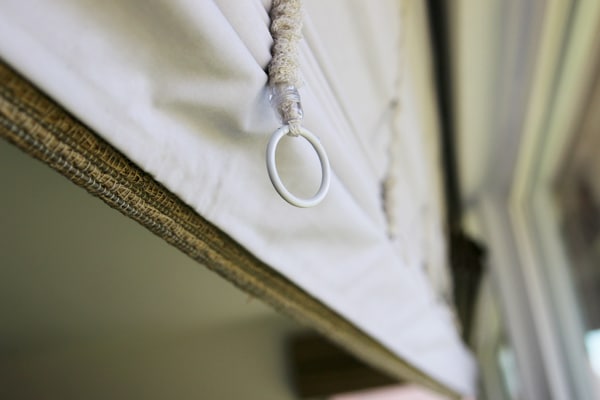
(284, 79)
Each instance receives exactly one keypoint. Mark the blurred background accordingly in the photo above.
(138, 319)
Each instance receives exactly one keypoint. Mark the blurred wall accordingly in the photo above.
(94, 306)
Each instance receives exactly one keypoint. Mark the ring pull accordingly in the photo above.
(274, 174)
(284, 78)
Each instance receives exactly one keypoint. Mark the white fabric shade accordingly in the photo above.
(180, 88)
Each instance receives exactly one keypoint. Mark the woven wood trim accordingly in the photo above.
(43, 129)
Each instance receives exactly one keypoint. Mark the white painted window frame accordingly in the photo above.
(508, 197)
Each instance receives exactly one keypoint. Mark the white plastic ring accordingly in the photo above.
(274, 175)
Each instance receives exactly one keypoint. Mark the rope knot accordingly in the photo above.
(286, 28)
(286, 100)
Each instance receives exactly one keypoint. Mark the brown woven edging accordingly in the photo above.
(41, 128)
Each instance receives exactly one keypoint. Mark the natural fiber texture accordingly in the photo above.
(286, 28)
(284, 76)
(44, 130)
